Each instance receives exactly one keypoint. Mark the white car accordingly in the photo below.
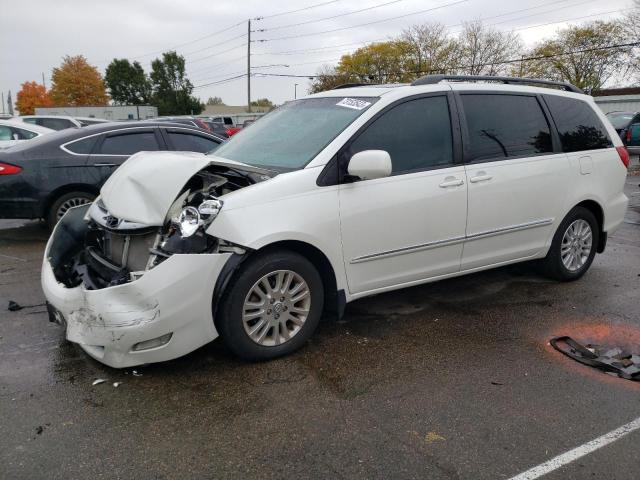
(13, 132)
(330, 198)
(60, 122)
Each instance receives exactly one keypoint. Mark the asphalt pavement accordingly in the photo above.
(452, 380)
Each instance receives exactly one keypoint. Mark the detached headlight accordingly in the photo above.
(192, 218)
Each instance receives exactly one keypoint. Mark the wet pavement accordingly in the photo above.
(444, 381)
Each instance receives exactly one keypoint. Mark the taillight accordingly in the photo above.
(624, 156)
(6, 169)
(628, 135)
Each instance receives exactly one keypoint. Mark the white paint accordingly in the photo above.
(578, 452)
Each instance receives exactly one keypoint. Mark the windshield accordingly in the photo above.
(620, 120)
(292, 135)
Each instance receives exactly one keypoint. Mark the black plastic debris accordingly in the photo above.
(612, 360)
(15, 306)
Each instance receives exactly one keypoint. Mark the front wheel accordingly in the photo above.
(574, 246)
(272, 306)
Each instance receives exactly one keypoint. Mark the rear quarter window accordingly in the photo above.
(578, 125)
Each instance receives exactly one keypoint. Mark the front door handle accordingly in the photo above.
(451, 182)
(480, 178)
(104, 165)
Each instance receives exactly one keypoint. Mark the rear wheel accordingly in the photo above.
(574, 246)
(272, 306)
(64, 203)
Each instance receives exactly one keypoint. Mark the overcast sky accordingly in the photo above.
(36, 34)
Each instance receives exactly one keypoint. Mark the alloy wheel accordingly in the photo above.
(576, 246)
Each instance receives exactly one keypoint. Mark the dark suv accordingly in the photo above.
(627, 124)
(46, 176)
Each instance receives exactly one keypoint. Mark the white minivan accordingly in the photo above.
(330, 198)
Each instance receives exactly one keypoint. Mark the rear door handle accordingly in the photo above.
(480, 178)
(451, 182)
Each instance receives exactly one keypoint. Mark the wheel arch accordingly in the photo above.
(334, 299)
(63, 190)
(598, 212)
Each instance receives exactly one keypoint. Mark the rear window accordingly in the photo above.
(619, 120)
(55, 123)
(82, 146)
(129, 143)
(578, 125)
(504, 126)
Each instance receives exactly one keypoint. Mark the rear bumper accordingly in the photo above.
(174, 297)
(614, 213)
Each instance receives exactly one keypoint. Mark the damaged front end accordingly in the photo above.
(108, 251)
(132, 292)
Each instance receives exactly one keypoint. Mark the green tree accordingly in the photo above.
(128, 84)
(383, 62)
(589, 64)
(262, 102)
(328, 78)
(215, 101)
(171, 88)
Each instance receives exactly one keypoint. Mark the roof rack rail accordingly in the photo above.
(349, 85)
(433, 79)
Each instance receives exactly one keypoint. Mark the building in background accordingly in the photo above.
(108, 112)
(618, 99)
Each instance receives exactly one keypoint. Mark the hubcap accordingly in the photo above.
(70, 203)
(576, 245)
(276, 308)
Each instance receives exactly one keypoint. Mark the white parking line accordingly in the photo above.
(578, 452)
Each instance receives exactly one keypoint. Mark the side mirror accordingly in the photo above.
(370, 164)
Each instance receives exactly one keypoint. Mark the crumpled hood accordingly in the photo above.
(143, 188)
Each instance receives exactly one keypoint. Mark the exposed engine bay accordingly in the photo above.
(99, 250)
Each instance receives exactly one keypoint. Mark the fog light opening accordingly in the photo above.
(153, 343)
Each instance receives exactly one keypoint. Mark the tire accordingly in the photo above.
(63, 203)
(570, 243)
(281, 324)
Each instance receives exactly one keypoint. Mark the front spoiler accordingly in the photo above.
(174, 297)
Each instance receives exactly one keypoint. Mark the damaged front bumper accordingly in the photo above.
(164, 313)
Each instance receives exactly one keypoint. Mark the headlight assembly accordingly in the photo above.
(192, 218)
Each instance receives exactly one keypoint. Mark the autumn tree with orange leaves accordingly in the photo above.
(30, 96)
(76, 83)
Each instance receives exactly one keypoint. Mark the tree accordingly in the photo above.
(578, 54)
(328, 78)
(631, 27)
(484, 51)
(76, 83)
(127, 83)
(30, 96)
(262, 102)
(431, 49)
(215, 101)
(383, 62)
(171, 88)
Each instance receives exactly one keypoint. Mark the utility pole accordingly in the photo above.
(295, 91)
(43, 84)
(248, 66)
(2, 102)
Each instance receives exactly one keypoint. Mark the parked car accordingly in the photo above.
(86, 121)
(195, 122)
(13, 132)
(226, 121)
(330, 198)
(45, 177)
(54, 122)
(622, 122)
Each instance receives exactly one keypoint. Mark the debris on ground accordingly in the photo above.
(117, 384)
(612, 360)
(39, 429)
(15, 306)
(98, 381)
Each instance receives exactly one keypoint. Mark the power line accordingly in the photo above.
(364, 24)
(221, 81)
(281, 27)
(297, 10)
(190, 42)
(501, 62)
(218, 53)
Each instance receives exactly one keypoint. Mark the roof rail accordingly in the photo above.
(433, 79)
(349, 85)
